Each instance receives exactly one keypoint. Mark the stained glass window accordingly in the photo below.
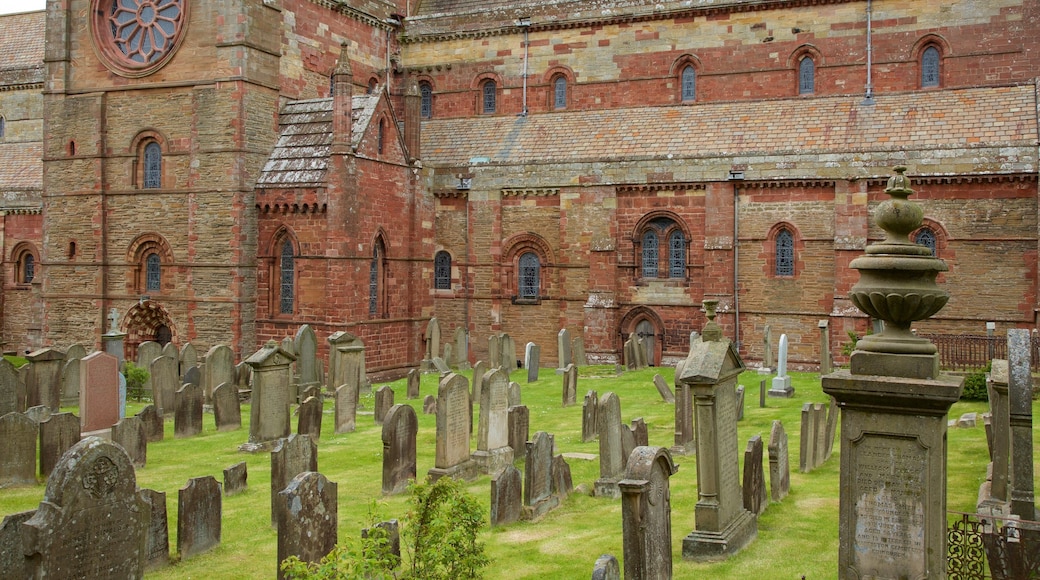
(153, 273)
(806, 76)
(930, 67)
(689, 84)
(489, 96)
(145, 30)
(152, 166)
(560, 92)
(530, 271)
(425, 100)
(784, 253)
(373, 283)
(442, 271)
(28, 268)
(288, 271)
(926, 237)
(650, 254)
(676, 255)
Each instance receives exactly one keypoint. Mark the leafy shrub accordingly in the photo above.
(359, 558)
(975, 386)
(136, 377)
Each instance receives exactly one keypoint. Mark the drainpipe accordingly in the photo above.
(736, 176)
(524, 23)
(869, 99)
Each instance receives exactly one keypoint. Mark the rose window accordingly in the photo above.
(137, 37)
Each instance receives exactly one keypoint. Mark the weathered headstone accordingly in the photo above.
(570, 385)
(449, 356)
(44, 382)
(413, 384)
(198, 516)
(461, 348)
(165, 380)
(309, 422)
(640, 434)
(506, 495)
(606, 568)
(236, 478)
(563, 483)
(13, 563)
(767, 349)
(493, 450)
(269, 411)
(754, 483)
(611, 451)
(1001, 427)
(563, 348)
(308, 526)
(57, 435)
(538, 488)
(98, 391)
(290, 457)
(532, 361)
(578, 356)
(779, 467)
(169, 350)
(227, 409)
(129, 433)
(400, 427)
(18, 451)
(440, 365)
(157, 547)
(384, 401)
(305, 345)
(629, 350)
(663, 390)
(589, 423)
(1020, 414)
(740, 402)
(479, 370)
(782, 381)
(191, 375)
(12, 389)
(453, 456)
(507, 359)
(390, 548)
(494, 351)
(832, 427)
(807, 442)
(189, 357)
(646, 513)
(685, 441)
(147, 352)
(92, 521)
(429, 405)
(346, 408)
(187, 421)
(825, 347)
(519, 428)
(347, 361)
(69, 382)
(219, 369)
(38, 413)
(432, 338)
(514, 394)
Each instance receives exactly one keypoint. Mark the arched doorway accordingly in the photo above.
(147, 320)
(647, 333)
(646, 324)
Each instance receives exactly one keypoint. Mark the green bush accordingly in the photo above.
(136, 377)
(975, 386)
(359, 558)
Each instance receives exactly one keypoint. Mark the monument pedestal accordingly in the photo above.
(465, 471)
(707, 546)
(606, 488)
(893, 471)
(781, 387)
(493, 461)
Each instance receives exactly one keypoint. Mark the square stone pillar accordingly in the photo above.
(1020, 415)
(996, 500)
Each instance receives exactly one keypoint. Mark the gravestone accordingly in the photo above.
(532, 361)
(346, 408)
(189, 357)
(18, 451)
(236, 478)
(578, 356)
(563, 483)
(508, 356)
(157, 546)
(767, 349)
(1001, 438)
(611, 451)
(807, 442)
(461, 348)
(589, 423)
(309, 422)
(244, 376)
(1020, 415)
(147, 352)
(269, 412)
(825, 347)
(347, 362)
(165, 380)
(308, 526)
(570, 385)
(646, 513)
(781, 386)
(563, 348)
(191, 375)
(440, 365)
(740, 402)
(129, 433)
(290, 457)
(606, 568)
(432, 338)
(219, 369)
(57, 435)
(43, 385)
(198, 516)
(413, 384)
(495, 351)
(98, 391)
(429, 405)
(685, 441)
(400, 427)
(779, 469)
(629, 351)
(384, 401)
(92, 521)
(754, 484)
(449, 360)
(390, 549)
(514, 394)
(519, 428)
(832, 426)
(305, 346)
(69, 381)
(187, 421)
(12, 389)
(479, 370)
(453, 456)
(227, 409)
(538, 483)
(13, 563)
(122, 394)
(506, 496)
(38, 413)
(640, 435)
(169, 350)
(663, 390)
(493, 450)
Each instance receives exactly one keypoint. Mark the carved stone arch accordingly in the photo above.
(516, 247)
(550, 78)
(273, 247)
(558, 70)
(942, 239)
(931, 39)
(147, 242)
(769, 250)
(648, 218)
(630, 324)
(145, 321)
(137, 254)
(685, 59)
(25, 257)
(478, 89)
(138, 147)
(513, 245)
(146, 135)
(802, 51)
(663, 223)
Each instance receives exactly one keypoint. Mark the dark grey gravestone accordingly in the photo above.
(400, 427)
(57, 435)
(578, 356)
(820, 410)
(740, 402)
(306, 348)
(589, 425)
(562, 482)
(754, 484)
(129, 433)
(538, 488)
(663, 390)
(506, 496)
(519, 425)
(92, 522)
(453, 430)
(308, 524)
(235, 478)
(628, 443)
(639, 431)
(13, 563)
(38, 414)
(570, 385)
(12, 389)
(429, 406)
(391, 550)
(832, 427)
(290, 457)
(606, 568)
(43, 385)
(1020, 414)
(611, 450)
(189, 357)
(384, 400)
(514, 394)
(192, 375)
(227, 410)
(532, 361)
(18, 450)
(198, 516)
(479, 370)
(807, 442)
(187, 421)
(779, 468)
(646, 513)
(157, 550)
(346, 408)
(309, 422)
(165, 382)
(153, 424)
(414, 377)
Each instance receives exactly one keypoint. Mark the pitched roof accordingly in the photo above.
(926, 120)
(21, 40)
(301, 155)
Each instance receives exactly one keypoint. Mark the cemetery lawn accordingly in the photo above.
(796, 537)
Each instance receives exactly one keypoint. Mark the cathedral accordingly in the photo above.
(223, 172)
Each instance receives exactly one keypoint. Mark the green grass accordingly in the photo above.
(566, 542)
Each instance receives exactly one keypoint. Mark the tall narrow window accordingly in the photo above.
(425, 101)
(676, 255)
(153, 273)
(28, 268)
(926, 237)
(560, 92)
(650, 254)
(442, 271)
(381, 136)
(375, 279)
(689, 84)
(287, 270)
(152, 166)
(806, 76)
(930, 67)
(784, 253)
(489, 96)
(530, 272)
(3, 124)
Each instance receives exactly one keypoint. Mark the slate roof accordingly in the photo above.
(301, 155)
(924, 120)
(21, 166)
(21, 40)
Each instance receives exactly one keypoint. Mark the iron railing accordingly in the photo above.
(990, 547)
(965, 352)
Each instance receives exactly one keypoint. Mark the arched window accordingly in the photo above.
(27, 268)
(376, 280)
(152, 166)
(442, 271)
(926, 237)
(689, 83)
(806, 76)
(650, 254)
(560, 92)
(488, 89)
(3, 123)
(425, 100)
(676, 255)
(930, 67)
(153, 273)
(784, 253)
(528, 281)
(381, 136)
(373, 84)
(287, 275)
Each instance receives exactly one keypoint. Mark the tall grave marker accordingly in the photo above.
(269, 413)
(1020, 411)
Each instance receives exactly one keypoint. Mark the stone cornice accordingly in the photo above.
(785, 183)
(443, 193)
(961, 179)
(648, 187)
(356, 14)
(530, 192)
(293, 208)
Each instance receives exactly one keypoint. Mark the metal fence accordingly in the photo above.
(965, 352)
(988, 547)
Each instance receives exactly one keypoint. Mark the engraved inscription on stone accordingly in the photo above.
(457, 427)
